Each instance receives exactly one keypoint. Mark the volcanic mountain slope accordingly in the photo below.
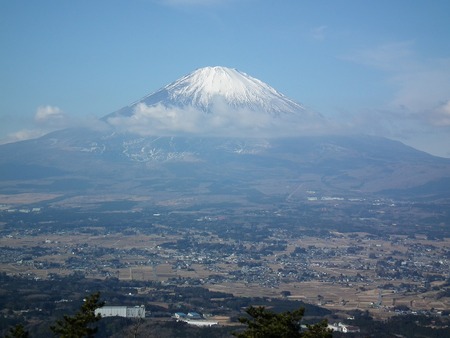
(216, 101)
(73, 163)
(208, 87)
(119, 162)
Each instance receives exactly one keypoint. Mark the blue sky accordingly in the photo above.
(378, 67)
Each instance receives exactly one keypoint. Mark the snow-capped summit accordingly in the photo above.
(237, 89)
(208, 88)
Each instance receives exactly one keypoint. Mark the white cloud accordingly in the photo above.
(49, 115)
(441, 115)
(161, 120)
(418, 111)
(22, 135)
(394, 56)
(419, 85)
(421, 89)
(47, 119)
(319, 33)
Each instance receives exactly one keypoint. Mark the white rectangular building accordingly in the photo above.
(122, 311)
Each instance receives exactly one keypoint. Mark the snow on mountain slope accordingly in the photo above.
(215, 100)
(238, 89)
(209, 85)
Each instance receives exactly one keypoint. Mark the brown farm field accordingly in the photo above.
(340, 277)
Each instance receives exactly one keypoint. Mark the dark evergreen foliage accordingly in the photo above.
(81, 324)
(267, 324)
(17, 331)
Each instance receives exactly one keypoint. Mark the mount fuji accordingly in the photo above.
(216, 101)
(205, 86)
(216, 135)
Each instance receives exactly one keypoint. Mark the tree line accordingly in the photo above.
(259, 322)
